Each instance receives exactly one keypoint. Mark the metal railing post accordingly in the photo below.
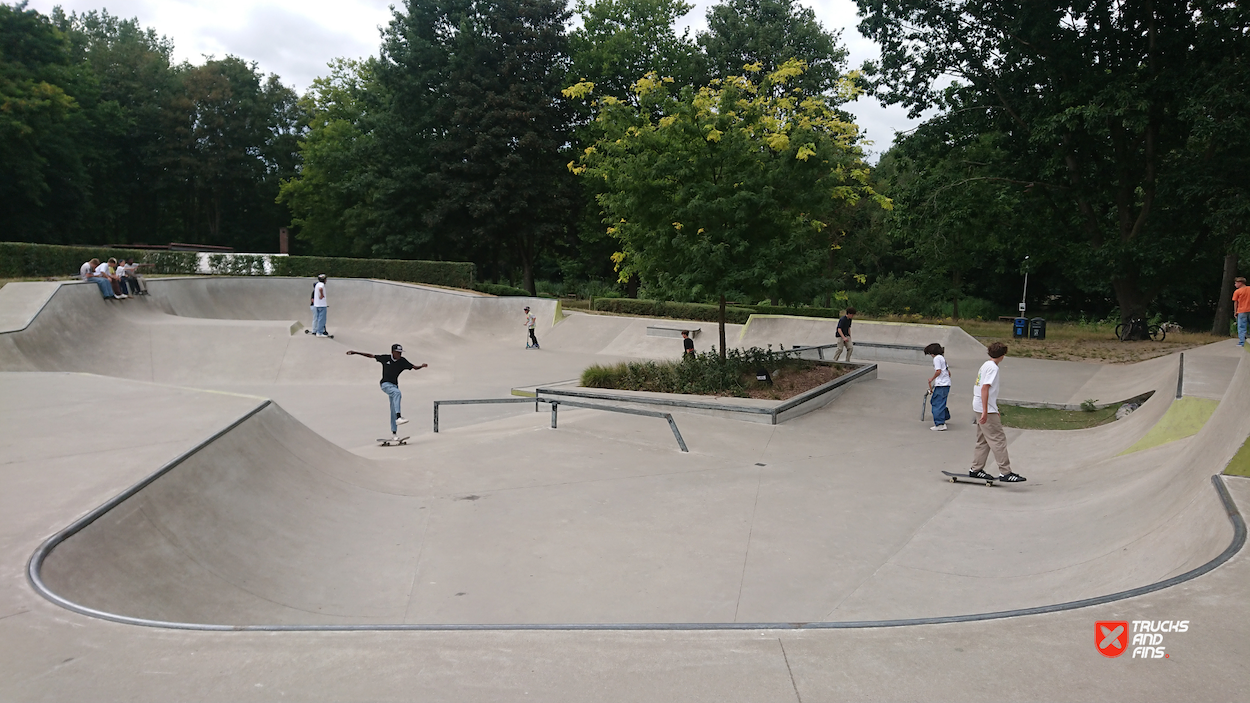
(680, 442)
(436, 417)
(555, 407)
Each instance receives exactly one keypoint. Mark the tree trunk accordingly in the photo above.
(527, 275)
(955, 281)
(1224, 308)
(722, 328)
(1130, 297)
(631, 287)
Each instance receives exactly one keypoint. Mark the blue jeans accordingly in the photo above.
(319, 320)
(106, 288)
(1243, 319)
(941, 413)
(393, 391)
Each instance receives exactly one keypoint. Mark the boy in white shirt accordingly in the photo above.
(939, 387)
(989, 424)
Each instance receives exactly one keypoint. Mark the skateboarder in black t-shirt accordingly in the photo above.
(687, 344)
(393, 364)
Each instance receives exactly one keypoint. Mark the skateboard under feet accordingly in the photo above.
(392, 441)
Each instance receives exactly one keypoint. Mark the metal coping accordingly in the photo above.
(36, 563)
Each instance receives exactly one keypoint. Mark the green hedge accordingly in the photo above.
(833, 313)
(456, 274)
(499, 289)
(22, 260)
(681, 311)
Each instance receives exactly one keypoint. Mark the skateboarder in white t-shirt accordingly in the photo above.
(989, 424)
(319, 306)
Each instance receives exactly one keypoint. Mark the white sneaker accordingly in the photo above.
(938, 428)
(401, 421)
(123, 296)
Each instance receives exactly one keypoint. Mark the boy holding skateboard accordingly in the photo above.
(989, 424)
(393, 364)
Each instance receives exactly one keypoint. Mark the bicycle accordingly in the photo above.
(1137, 328)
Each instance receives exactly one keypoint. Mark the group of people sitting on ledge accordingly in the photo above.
(117, 281)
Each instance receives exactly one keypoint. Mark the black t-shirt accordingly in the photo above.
(688, 345)
(844, 326)
(391, 368)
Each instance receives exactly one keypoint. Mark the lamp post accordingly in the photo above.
(1025, 294)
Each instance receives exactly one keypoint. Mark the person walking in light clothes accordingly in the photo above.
(843, 334)
(989, 424)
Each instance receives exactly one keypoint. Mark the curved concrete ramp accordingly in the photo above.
(837, 516)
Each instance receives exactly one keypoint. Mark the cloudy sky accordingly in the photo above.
(295, 38)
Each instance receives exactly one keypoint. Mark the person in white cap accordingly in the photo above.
(393, 364)
(319, 306)
(530, 321)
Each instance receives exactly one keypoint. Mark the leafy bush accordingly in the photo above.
(702, 374)
(893, 296)
(237, 264)
(456, 274)
(499, 289)
(682, 311)
(21, 260)
(833, 313)
(971, 309)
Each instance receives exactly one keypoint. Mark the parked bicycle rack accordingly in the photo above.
(555, 410)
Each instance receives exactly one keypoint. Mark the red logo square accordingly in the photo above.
(1111, 637)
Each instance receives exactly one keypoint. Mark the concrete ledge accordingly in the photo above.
(745, 409)
(672, 331)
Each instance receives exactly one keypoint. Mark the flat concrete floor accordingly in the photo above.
(838, 515)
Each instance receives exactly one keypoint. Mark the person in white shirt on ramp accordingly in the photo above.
(530, 322)
(989, 424)
(319, 306)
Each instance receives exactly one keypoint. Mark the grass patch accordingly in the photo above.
(1054, 419)
(1240, 465)
(707, 374)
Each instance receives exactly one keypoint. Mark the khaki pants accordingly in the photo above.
(843, 343)
(991, 437)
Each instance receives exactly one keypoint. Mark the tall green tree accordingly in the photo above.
(726, 190)
(332, 196)
(477, 128)
(133, 197)
(1087, 97)
(769, 33)
(46, 119)
(235, 138)
(619, 40)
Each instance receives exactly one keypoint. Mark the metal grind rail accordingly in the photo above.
(555, 411)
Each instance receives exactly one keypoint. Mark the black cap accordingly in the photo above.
(321, 277)
(398, 348)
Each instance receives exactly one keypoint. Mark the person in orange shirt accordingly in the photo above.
(1241, 301)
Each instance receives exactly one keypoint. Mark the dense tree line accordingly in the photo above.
(1105, 141)
(103, 139)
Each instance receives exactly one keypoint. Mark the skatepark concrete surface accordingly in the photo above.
(590, 562)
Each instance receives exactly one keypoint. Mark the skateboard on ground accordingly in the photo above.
(964, 477)
(392, 441)
(308, 331)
